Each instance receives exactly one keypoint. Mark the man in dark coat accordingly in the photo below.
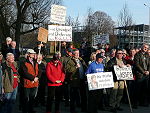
(142, 67)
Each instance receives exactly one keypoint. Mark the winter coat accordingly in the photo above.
(54, 72)
(139, 64)
(8, 77)
(110, 67)
(74, 72)
(29, 72)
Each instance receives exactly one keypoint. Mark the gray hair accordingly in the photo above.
(9, 54)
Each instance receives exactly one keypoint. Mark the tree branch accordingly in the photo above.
(29, 30)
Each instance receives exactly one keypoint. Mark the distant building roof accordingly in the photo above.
(136, 27)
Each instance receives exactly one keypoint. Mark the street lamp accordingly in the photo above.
(149, 19)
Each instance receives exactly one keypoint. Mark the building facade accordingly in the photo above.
(133, 36)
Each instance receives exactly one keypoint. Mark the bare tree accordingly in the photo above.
(125, 18)
(69, 21)
(18, 17)
(99, 23)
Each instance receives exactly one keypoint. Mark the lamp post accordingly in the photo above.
(149, 19)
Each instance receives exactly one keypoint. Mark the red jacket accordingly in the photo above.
(54, 73)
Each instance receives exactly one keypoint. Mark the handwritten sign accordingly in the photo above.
(100, 80)
(124, 73)
(58, 14)
(59, 33)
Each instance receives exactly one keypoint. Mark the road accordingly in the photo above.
(126, 109)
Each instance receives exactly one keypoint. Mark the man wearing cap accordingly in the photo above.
(116, 93)
(94, 96)
(30, 75)
(6, 46)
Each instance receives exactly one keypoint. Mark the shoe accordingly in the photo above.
(119, 109)
(73, 112)
(84, 110)
(57, 111)
(144, 105)
(66, 104)
(33, 112)
(114, 110)
(135, 107)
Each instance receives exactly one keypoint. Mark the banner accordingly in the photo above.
(124, 73)
(102, 39)
(42, 35)
(100, 80)
(59, 33)
(58, 14)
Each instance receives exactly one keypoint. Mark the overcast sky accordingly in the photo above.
(111, 7)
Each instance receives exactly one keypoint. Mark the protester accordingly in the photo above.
(55, 76)
(94, 96)
(116, 92)
(41, 49)
(40, 98)
(107, 48)
(77, 67)
(63, 48)
(1, 85)
(10, 83)
(14, 50)
(66, 83)
(6, 46)
(92, 57)
(30, 75)
(142, 67)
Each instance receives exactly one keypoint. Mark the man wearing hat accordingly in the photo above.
(30, 75)
(94, 96)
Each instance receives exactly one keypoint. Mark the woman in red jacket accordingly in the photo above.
(55, 76)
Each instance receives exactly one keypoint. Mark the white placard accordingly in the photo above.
(58, 14)
(102, 39)
(124, 73)
(59, 33)
(100, 80)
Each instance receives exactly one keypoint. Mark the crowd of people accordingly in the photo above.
(64, 78)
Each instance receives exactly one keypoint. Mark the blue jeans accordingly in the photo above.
(9, 102)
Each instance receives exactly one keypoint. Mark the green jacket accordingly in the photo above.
(8, 77)
(74, 72)
(139, 59)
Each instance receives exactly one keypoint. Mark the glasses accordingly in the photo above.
(120, 53)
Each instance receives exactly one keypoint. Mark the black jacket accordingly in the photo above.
(110, 67)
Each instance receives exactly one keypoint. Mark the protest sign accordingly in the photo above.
(58, 14)
(100, 80)
(102, 39)
(124, 73)
(59, 33)
(42, 35)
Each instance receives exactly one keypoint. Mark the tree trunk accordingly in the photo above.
(17, 33)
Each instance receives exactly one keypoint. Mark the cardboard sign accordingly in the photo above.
(42, 35)
(100, 80)
(58, 14)
(124, 73)
(59, 33)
